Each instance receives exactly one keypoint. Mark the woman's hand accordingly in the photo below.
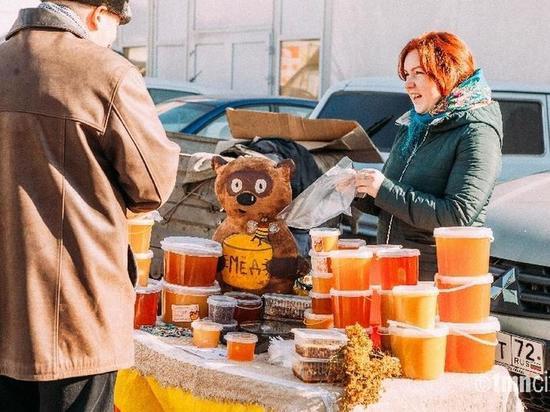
(368, 181)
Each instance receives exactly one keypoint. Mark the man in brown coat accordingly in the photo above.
(80, 143)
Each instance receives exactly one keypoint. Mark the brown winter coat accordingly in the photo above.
(80, 143)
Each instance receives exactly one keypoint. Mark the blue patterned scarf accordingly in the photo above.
(471, 93)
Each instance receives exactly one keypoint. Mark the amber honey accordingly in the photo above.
(398, 267)
(464, 299)
(351, 269)
(350, 307)
(139, 234)
(206, 334)
(415, 305)
(324, 239)
(146, 304)
(322, 282)
(240, 346)
(375, 270)
(143, 263)
(321, 303)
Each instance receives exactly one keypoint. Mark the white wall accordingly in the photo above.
(510, 39)
(8, 13)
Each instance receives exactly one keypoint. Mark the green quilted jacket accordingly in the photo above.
(447, 181)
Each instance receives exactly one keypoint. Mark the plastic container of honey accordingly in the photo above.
(324, 239)
(240, 346)
(143, 263)
(320, 262)
(415, 305)
(471, 346)
(350, 307)
(249, 306)
(420, 351)
(321, 303)
(284, 306)
(351, 269)
(139, 234)
(464, 299)
(190, 261)
(375, 271)
(221, 308)
(386, 307)
(315, 321)
(345, 244)
(398, 267)
(385, 339)
(463, 251)
(206, 334)
(319, 344)
(322, 282)
(146, 304)
(182, 305)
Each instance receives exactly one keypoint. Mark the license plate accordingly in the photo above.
(521, 355)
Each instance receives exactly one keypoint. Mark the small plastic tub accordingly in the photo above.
(143, 263)
(463, 251)
(311, 370)
(324, 239)
(282, 306)
(139, 234)
(398, 267)
(420, 351)
(240, 346)
(190, 261)
(346, 244)
(206, 334)
(322, 282)
(375, 270)
(221, 309)
(321, 303)
(351, 269)
(182, 305)
(464, 299)
(320, 344)
(249, 306)
(415, 305)
(350, 307)
(146, 304)
(386, 307)
(320, 262)
(471, 346)
(315, 321)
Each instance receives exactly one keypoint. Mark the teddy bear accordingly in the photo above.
(259, 252)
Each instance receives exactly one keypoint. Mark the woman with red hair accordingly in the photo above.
(446, 157)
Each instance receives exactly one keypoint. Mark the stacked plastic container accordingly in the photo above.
(464, 299)
(190, 266)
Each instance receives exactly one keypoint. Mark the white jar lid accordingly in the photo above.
(351, 293)
(324, 231)
(241, 337)
(415, 290)
(153, 286)
(465, 280)
(361, 253)
(396, 329)
(192, 291)
(205, 324)
(463, 232)
(143, 256)
(321, 275)
(317, 295)
(396, 253)
(489, 325)
(193, 246)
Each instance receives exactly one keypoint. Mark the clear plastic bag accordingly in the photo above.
(328, 197)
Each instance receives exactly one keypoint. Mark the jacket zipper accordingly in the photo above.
(403, 174)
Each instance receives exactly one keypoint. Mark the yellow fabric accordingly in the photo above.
(137, 393)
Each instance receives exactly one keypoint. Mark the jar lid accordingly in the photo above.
(463, 232)
(193, 246)
(465, 280)
(329, 334)
(141, 222)
(396, 329)
(415, 290)
(321, 275)
(361, 253)
(221, 300)
(489, 325)
(153, 286)
(351, 243)
(143, 256)
(324, 231)
(395, 252)
(351, 293)
(241, 337)
(317, 295)
(192, 291)
(319, 255)
(376, 248)
(204, 324)
(231, 326)
(308, 314)
(244, 298)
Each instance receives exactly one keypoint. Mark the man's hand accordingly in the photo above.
(368, 181)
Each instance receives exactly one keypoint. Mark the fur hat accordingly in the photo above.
(119, 7)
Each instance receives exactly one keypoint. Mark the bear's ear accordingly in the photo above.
(217, 162)
(288, 167)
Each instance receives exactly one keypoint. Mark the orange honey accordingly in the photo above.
(321, 303)
(351, 269)
(139, 234)
(143, 263)
(146, 304)
(415, 305)
(398, 267)
(463, 251)
(386, 307)
(240, 346)
(324, 239)
(182, 305)
(322, 282)
(350, 307)
(464, 299)
(190, 261)
(471, 346)
(320, 262)
(375, 269)
(315, 321)
(206, 334)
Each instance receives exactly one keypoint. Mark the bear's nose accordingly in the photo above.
(246, 199)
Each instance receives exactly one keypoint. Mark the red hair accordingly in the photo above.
(443, 56)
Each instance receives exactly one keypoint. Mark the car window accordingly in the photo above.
(219, 127)
(175, 116)
(375, 111)
(522, 127)
(161, 95)
(294, 110)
